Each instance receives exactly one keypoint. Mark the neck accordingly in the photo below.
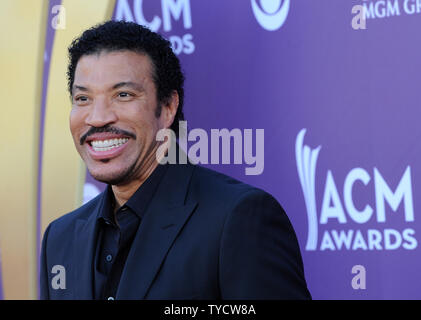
(122, 193)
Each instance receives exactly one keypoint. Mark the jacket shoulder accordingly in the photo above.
(83, 212)
(221, 188)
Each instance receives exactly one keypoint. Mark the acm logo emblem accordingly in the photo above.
(171, 11)
(354, 234)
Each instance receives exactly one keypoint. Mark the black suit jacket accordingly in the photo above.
(203, 236)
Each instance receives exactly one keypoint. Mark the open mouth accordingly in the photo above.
(106, 148)
(107, 145)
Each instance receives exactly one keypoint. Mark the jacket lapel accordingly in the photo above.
(163, 220)
(84, 237)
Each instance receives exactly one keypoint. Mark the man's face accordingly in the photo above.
(113, 119)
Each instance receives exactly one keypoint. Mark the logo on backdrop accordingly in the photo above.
(384, 9)
(271, 14)
(171, 11)
(352, 234)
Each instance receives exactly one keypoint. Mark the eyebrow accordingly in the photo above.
(80, 88)
(119, 85)
(130, 84)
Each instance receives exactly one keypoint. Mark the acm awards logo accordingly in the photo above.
(271, 14)
(353, 235)
(171, 10)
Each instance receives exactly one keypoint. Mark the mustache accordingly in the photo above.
(108, 129)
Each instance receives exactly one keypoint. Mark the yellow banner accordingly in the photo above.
(24, 24)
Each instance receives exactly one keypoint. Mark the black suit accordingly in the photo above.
(204, 236)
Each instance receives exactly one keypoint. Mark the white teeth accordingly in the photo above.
(105, 145)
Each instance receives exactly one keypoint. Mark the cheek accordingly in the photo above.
(76, 123)
(142, 120)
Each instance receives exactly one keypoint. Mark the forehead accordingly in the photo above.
(108, 68)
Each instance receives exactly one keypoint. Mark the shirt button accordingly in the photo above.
(109, 258)
(110, 298)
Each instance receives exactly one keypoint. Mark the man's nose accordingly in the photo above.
(101, 113)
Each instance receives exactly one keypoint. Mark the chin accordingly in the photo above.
(116, 177)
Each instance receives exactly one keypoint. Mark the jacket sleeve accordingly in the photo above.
(259, 252)
(44, 282)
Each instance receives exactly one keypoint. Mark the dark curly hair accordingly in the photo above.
(121, 35)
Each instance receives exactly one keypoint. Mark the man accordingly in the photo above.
(174, 231)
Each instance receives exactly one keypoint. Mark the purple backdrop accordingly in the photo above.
(356, 94)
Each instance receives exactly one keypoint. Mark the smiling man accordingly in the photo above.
(116, 116)
(174, 231)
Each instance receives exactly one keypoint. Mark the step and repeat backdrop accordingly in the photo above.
(327, 92)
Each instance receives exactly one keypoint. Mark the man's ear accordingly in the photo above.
(169, 109)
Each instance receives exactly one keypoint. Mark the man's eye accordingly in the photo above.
(81, 99)
(124, 95)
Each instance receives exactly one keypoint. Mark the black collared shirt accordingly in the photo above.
(116, 234)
